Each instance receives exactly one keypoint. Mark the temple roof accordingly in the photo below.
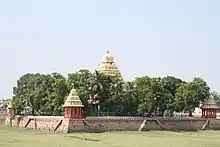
(73, 100)
(108, 65)
(209, 103)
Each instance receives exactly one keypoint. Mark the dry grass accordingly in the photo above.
(28, 138)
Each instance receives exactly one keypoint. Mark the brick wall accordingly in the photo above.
(46, 123)
(100, 124)
(134, 123)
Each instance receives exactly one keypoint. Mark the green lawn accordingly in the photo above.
(28, 138)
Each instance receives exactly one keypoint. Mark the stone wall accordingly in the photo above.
(134, 123)
(100, 124)
(47, 123)
(215, 124)
(112, 123)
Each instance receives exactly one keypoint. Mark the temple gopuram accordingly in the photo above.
(108, 66)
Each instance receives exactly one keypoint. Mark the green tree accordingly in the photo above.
(141, 88)
(102, 86)
(56, 90)
(171, 84)
(190, 95)
(202, 89)
(152, 95)
(216, 97)
(44, 94)
(96, 85)
(185, 98)
(81, 82)
(27, 93)
(111, 91)
(128, 102)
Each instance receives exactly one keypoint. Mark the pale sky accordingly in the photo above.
(147, 38)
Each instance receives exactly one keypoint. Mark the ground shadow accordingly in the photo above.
(84, 138)
(182, 131)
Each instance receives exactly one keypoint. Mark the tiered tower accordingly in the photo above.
(73, 106)
(108, 66)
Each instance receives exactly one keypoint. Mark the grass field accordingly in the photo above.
(28, 138)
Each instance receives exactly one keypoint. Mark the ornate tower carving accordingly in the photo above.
(108, 66)
(73, 106)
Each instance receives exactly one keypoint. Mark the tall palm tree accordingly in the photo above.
(128, 98)
(96, 85)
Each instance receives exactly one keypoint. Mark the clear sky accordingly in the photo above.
(147, 37)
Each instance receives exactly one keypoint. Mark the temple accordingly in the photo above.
(209, 108)
(73, 106)
(108, 66)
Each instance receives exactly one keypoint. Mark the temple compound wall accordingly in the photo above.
(73, 120)
(111, 123)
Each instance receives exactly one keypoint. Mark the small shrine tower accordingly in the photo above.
(108, 66)
(209, 108)
(73, 106)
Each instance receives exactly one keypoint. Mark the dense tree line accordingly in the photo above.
(45, 94)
